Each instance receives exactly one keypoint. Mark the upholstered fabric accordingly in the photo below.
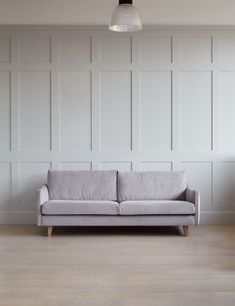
(151, 186)
(63, 207)
(118, 220)
(193, 196)
(42, 197)
(82, 185)
(156, 208)
(101, 186)
(43, 194)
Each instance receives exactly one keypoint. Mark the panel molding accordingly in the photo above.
(96, 50)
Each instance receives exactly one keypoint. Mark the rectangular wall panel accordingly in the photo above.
(32, 175)
(227, 51)
(75, 110)
(35, 110)
(115, 110)
(156, 166)
(120, 166)
(75, 166)
(195, 51)
(155, 110)
(35, 49)
(155, 50)
(5, 187)
(199, 176)
(75, 49)
(224, 182)
(227, 110)
(5, 49)
(196, 111)
(5, 111)
(115, 50)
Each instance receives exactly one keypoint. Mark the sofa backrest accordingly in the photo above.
(82, 185)
(151, 186)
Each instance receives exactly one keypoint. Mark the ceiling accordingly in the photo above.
(97, 12)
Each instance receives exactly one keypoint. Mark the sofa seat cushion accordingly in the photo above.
(156, 208)
(63, 207)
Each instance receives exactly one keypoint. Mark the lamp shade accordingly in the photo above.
(125, 18)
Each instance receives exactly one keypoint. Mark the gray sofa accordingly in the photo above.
(113, 198)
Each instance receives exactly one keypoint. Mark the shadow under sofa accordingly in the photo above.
(117, 198)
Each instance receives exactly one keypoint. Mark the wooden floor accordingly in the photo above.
(117, 267)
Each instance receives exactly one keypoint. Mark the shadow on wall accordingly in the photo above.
(224, 193)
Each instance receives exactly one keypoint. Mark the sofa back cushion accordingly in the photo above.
(151, 186)
(82, 185)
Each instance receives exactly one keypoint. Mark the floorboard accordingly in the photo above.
(117, 266)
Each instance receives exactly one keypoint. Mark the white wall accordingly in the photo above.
(91, 99)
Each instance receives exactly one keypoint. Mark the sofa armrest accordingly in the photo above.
(193, 196)
(42, 197)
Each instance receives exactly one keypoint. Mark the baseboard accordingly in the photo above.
(18, 218)
(217, 217)
(207, 217)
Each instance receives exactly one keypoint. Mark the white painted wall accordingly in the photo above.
(91, 99)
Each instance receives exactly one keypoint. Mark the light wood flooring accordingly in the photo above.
(117, 267)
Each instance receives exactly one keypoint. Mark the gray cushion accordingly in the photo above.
(151, 186)
(156, 208)
(62, 207)
(82, 185)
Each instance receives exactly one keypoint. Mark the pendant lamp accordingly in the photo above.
(125, 17)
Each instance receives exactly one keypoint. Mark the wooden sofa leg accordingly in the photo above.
(185, 228)
(49, 231)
